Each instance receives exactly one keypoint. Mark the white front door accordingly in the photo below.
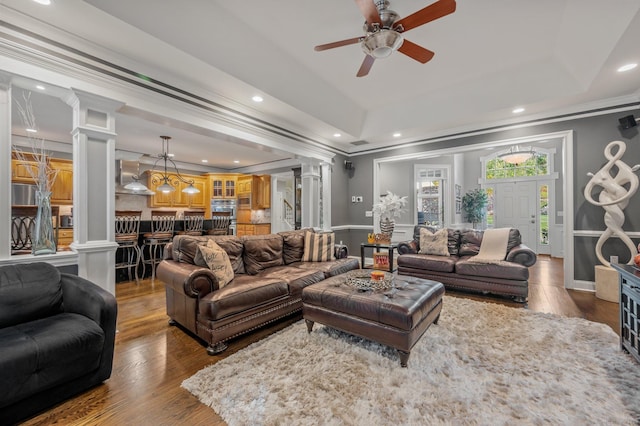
(515, 207)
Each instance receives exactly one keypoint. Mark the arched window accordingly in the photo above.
(495, 166)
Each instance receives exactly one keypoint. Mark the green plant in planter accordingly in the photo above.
(473, 205)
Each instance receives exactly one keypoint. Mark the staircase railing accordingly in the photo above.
(288, 217)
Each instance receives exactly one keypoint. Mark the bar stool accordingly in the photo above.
(193, 222)
(162, 223)
(127, 230)
(220, 222)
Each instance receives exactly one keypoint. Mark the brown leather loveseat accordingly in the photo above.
(507, 278)
(268, 277)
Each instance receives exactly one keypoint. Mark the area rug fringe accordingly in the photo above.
(482, 364)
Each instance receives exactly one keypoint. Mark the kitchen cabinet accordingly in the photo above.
(177, 198)
(20, 171)
(263, 192)
(62, 188)
(253, 229)
(65, 237)
(254, 192)
(245, 184)
(223, 186)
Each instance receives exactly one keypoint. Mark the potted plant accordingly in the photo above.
(473, 205)
(388, 208)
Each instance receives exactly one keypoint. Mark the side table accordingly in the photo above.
(376, 248)
(629, 309)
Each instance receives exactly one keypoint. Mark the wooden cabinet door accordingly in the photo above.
(62, 189)
(230, 187)
(200, 199)
(262, 229)
(20, 171)
(217, 187)
(244, 184)
(265, 183)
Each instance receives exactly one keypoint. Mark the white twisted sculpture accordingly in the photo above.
(614, 197)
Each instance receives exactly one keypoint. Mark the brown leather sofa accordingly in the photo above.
(507, 278)
(269, 276)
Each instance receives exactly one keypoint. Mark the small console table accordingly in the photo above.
(629, 309)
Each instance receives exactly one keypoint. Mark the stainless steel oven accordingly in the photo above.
(229, 206)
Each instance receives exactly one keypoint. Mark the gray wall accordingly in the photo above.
(591, 135)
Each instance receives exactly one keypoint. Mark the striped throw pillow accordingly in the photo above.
(318, 247)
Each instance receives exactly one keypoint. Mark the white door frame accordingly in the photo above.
(567, 174)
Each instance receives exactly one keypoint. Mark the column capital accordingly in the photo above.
(92, 111)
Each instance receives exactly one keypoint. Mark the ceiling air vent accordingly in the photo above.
(358, 143)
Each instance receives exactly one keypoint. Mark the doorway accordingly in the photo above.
(515, 208)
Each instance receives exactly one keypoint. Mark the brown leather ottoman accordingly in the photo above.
(397, 320)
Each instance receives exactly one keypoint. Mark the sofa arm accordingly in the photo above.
(408, 247)
(81, 296)
(523, 255)
(195, 281)
(340, 251)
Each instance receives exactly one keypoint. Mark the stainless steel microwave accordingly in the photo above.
(244, 201)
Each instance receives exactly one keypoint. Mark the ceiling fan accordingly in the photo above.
(383, 31)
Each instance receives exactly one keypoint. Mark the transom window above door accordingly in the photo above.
(502, 165)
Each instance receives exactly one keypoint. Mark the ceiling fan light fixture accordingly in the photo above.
(381, 44)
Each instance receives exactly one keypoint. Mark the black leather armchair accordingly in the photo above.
(57, 336)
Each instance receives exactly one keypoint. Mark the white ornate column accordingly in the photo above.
(94, 140)
(310, 193)
(5, 161)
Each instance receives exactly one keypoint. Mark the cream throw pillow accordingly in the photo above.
(218, 261)
(435, 244)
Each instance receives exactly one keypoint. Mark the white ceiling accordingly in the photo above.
(551, 57)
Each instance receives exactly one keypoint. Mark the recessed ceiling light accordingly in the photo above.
(336, 135)
(627, 67)
(40, 87)
(257, 98)
(31, 130)
(45, 2)
(205, 161)
(236, 161)
(397, 135)
(518, 110)
(171, 155)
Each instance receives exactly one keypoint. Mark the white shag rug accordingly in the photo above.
(482, 364)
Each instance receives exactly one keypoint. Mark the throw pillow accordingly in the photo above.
(218, 261)
(318, 247)
(435, 243)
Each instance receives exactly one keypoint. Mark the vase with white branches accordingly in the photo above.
(37, 164)
(388, 208)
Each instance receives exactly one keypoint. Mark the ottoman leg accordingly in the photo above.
(309, 325)
(404, 357)
(435, 321)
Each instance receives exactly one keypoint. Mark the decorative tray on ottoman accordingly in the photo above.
(363, 280)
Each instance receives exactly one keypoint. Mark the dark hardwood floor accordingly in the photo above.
(152, 358)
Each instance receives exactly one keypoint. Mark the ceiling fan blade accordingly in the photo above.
(366, 66)
(416, 52)
(337, 44)
(369, 11)
(433, 11)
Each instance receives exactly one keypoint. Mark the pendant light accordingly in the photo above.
(165, 177)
